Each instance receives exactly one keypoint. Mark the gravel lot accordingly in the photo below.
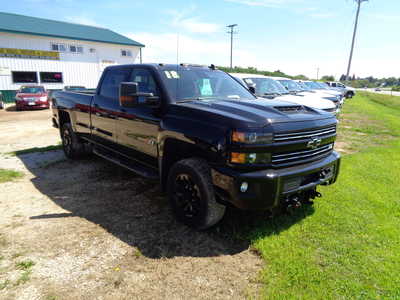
(91, 230)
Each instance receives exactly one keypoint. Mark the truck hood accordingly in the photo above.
(311, 100)
(249, 113)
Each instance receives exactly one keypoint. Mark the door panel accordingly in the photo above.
(105, 107)
(138, 127)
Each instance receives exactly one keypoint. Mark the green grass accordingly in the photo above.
(9, 175)
(35, 149)
(25, 265)
(348, 245)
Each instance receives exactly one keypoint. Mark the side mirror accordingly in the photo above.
(252, 89)
(128, 94)
(130, 97)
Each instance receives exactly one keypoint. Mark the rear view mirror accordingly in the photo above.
(128, 94)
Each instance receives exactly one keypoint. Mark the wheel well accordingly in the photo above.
(63, 117)
(174, 151)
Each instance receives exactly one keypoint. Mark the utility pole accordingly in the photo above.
(317, 73)
(354, 37)
(231, 32)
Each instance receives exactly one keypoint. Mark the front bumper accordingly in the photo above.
(34, 105)
(267, 188)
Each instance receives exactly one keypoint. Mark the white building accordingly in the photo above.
(55, 54)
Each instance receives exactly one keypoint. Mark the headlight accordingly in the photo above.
(251, 137)
(250, 158)
(18, 98)
(44, 98)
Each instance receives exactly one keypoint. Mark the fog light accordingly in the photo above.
(244, 186)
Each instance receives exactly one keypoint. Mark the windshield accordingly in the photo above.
(312, 85)
(266, 86)
(304, 86)
(203, 84)
(323, 85)
(32, 90)
(290, 85)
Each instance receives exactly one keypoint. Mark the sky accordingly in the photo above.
(294, 36)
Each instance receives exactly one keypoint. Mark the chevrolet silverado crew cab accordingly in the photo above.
(207, 140)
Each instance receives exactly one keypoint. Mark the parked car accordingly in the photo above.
(207, 140)
(74, 88)
(31, 97)
(335, 96)
(349, 92)
(378, 89)
(268, 87)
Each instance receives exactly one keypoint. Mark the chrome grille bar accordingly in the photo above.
(304, 134)
(300, 155)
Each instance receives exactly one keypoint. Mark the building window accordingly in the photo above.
(58, 47)
(51, 77)
(24, 77)
(92, 50)
(126, 53)
(75, 49)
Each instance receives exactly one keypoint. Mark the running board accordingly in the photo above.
(135, 167)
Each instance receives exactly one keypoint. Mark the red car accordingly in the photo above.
(31, 97)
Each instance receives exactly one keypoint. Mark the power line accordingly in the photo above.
(354, 37)
(232, 32)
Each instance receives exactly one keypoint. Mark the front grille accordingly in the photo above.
(294, 157)
(296, 136)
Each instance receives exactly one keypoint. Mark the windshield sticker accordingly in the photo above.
(167, 74)
(248, 80)
(205, 87)
(174, 74)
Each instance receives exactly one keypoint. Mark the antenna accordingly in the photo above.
(354, 37)
(177, 48)
(232, 32)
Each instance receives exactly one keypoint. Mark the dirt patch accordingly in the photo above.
(357, 132)
(95, 231)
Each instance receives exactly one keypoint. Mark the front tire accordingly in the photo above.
(192, 196)
(72, 146)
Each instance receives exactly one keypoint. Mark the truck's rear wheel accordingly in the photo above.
(72, 146)
(191, 194)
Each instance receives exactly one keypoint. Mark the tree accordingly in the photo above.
(328, 78)
(343, 78)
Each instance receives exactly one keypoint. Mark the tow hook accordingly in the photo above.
(292, 203)
(312, 195)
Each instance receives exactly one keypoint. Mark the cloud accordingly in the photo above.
(265, 3)
(162, 48)
(182, 21)
(82, 19)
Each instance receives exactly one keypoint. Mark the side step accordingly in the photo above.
(129, 164)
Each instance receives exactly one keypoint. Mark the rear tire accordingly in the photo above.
(73, 147)
(191, 194)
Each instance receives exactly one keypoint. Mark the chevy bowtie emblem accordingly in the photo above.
(314, 143)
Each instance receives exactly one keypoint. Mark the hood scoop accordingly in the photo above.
(292, 109)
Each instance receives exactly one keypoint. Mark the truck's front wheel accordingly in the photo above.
(72, 146)
(191, 194)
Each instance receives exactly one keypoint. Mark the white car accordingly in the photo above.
(268, 87)
(349, 91)
(313, 87)
(301, 89)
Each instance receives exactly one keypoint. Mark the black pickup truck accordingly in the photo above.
(203, 136)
